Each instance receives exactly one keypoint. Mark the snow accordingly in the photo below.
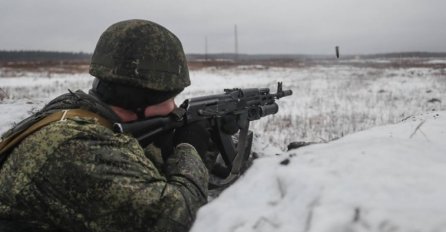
(373, 178)
(328, 102)
(437, 61)
(15, 111)
(33, 86)
(388, 178)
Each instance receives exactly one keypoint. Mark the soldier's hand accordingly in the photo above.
(194, 134)
(229, 124)
(164, 141)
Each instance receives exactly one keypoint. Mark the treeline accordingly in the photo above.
(6, 56)
(407, 55)
(260, 57)
(251, 57)
(44, 56)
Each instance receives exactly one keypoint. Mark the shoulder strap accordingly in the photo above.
(9, 142)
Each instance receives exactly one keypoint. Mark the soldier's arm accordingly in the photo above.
(109, 185)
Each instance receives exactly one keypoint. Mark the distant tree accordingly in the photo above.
(42, 56)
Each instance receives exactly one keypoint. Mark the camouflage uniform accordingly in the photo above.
(76, 175)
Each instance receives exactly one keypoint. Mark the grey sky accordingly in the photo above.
(264, 26)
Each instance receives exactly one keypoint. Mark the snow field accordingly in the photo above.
(388, 178)
(330, 102)
(327, 102)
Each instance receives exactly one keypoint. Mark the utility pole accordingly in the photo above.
(205, 48)
(236, 42)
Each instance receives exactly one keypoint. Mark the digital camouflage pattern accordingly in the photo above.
(76, 175)
(143, 54)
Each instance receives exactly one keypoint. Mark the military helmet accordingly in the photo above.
(142, 54)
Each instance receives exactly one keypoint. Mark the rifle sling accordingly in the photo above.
(10, 142)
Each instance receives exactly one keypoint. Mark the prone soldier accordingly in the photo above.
(64, 169)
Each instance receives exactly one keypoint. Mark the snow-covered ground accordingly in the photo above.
(387, 178)
(328, 102)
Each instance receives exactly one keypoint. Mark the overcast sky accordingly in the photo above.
(264, 26)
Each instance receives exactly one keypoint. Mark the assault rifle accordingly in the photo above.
(244, 105)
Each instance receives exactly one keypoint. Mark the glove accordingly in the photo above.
(164, 142)
(194, 134)
(229, 124)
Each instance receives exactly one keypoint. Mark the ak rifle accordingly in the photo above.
(240, 105)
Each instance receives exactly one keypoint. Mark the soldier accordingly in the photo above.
(73, 173)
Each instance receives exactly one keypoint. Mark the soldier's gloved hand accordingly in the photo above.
(194, 134)
(164, 142)
(229, 124)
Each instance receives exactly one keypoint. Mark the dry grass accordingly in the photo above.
(17, 69)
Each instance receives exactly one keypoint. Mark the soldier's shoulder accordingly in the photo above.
(62, 139)
(84, 128)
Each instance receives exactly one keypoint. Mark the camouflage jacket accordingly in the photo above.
(76, 175)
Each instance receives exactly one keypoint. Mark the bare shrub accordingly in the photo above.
(3, 94)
